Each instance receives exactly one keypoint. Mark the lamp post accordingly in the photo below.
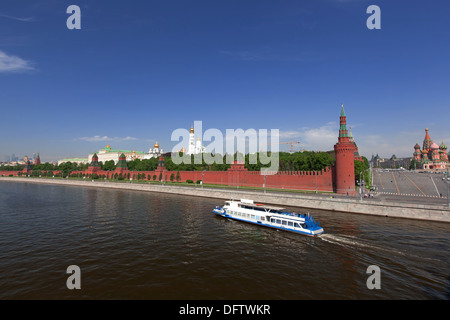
(316, 180)
(360, 192)
(448, 198)
(265, 183)
(203, 172)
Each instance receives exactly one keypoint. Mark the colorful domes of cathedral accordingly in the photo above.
(432, 156)
(434, 146)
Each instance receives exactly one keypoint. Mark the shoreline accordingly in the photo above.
(307, 201)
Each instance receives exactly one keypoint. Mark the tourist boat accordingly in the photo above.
(269, 216)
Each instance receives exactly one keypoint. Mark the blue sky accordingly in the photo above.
(138, 70)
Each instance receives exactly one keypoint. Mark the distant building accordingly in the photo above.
(74, 160)
(352, 140)
(432, 156)
(37, 161)
(108, 153)
(390, 163)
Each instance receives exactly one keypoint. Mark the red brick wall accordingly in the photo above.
(300, 180)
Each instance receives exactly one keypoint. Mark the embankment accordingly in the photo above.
(391, 209)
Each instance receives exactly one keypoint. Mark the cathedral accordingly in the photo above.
(432, 156)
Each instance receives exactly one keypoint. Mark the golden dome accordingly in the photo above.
(183, 150)
(108, 147)
(156, 145)
(191, 130)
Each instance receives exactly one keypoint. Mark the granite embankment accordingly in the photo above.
(351, 205)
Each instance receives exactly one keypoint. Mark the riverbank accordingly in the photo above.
(308, 201)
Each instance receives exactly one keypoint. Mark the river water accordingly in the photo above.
(141, 245)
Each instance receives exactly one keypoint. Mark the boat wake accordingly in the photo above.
(352, 242)
(346, 241)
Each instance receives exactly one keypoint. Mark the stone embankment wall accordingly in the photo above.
(342, 204)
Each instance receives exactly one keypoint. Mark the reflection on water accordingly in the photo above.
(138, 245)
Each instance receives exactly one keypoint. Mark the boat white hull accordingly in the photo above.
(312, 233)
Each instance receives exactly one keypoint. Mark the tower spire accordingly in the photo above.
(343, 132)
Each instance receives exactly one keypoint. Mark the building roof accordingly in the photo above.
(427, 136)
(434, 146)
(108, 150)
(74, 159)
(342, 110)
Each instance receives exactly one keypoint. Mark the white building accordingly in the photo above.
(108, 153)
(74, 160)
(194, 147)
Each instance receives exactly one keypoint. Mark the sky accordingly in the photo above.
(138, 70)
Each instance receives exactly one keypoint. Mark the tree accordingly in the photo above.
(361, 169)
(109, 165)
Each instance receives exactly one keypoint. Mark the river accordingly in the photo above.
(143, 245)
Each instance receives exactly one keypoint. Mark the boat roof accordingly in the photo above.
(259, 205)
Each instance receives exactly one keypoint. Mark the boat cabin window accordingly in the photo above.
(290, 224)
(284, 222)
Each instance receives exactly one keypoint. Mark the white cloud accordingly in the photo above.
(322, 138)
(105, 138)
(9, 63)
(30, 19)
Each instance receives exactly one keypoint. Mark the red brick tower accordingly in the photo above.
(345, 166)
(38, 160)
(94, 166)
(122, 166)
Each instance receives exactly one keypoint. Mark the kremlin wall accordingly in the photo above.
(338, 178)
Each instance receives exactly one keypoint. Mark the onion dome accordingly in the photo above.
(191, 130)
(434, 146)
(416, 146)
(156, 145)
(442, 146)
(183, 150)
